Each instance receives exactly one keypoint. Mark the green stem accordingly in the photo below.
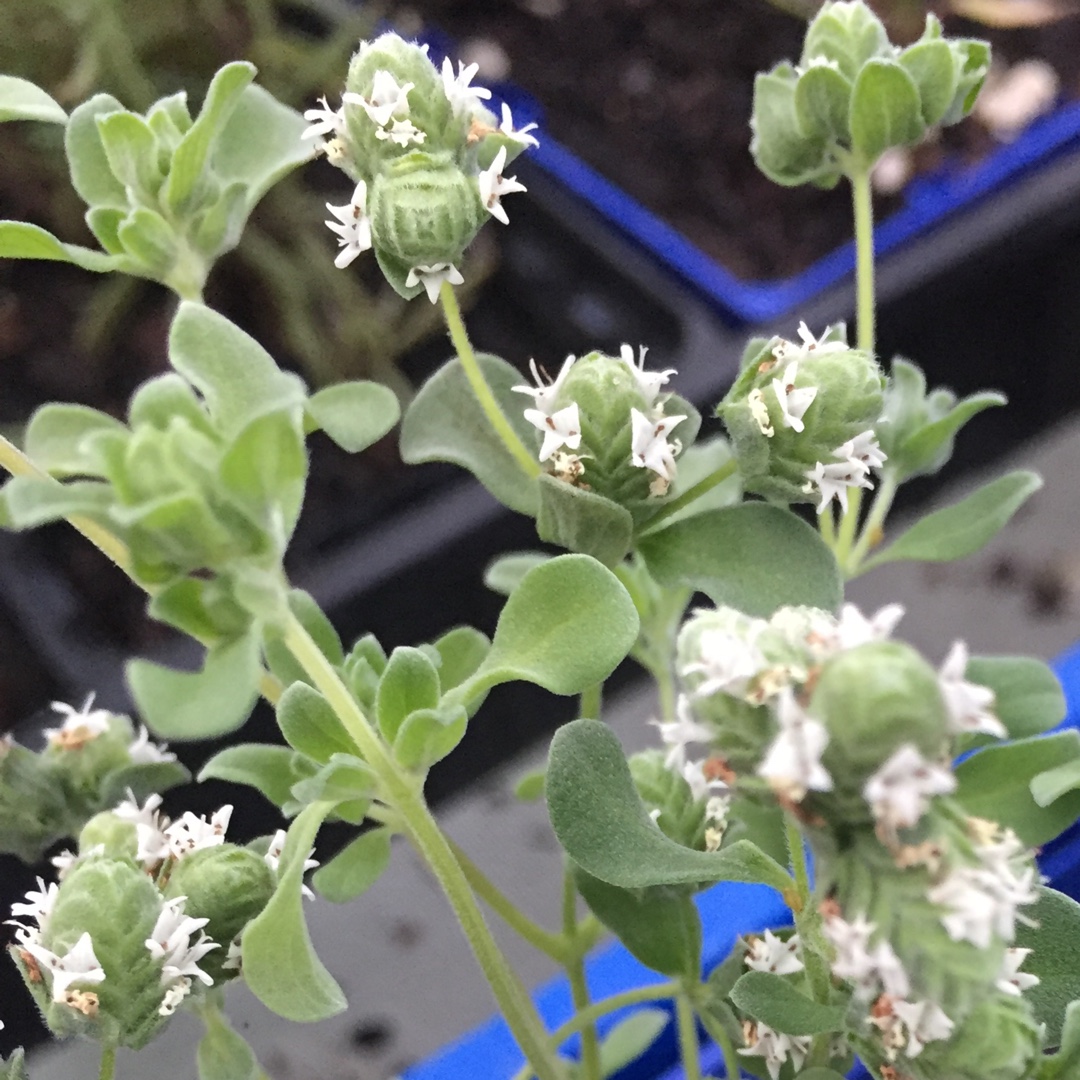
(405, 794)
(591, 701)
(579, 986)
(807, 919)
(849, 523)
(108, 1062)
(553, 945)
(827, 525)
(875, 520)
(719, 1035)
(689, 1049)
(467, 356)
(862, 202)
(695, 491)
(638, 996)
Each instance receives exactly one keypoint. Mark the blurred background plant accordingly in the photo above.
(281, 283)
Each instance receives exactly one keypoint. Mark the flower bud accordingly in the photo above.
(795, 408)
(873, 700)
(229, 886)
(116, 838)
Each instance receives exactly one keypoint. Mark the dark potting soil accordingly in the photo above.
(657, 96)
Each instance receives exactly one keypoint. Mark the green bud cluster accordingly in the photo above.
(778, 439)
(427, 158)
(49, 795)
(853, 95)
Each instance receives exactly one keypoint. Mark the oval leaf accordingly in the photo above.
(354, 414)
(580, 520)
(1028, 698)
(354, 869)
(630, 1038)
(22, 100)
(266, 768)
(605, 828)
(962, 529)
(754, 557)
(505, 573)
(280, 964)
(310, 725)
(885, 110)
(774, 1001)
(223, 1054)
(444, 422)
(565, 627)
(21, 240)
(1053, 935)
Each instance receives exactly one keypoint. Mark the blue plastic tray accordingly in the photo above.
(928, 201)
(727, 910)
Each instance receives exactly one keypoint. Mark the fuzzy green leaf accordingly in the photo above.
(461, 652)
(354, 414)
(774, 1001)
(21, 240)
(885, 110)
(996, 783)
(428, 735)
(22, 100)
(235, 374)
(223, 1054)
(963, 528)
(444, 422)
(1028, 698)
(91, 175)
(565, 627)
(1052, 784)
(202, 704)
(658, 925)
(186, 178)
(630, 1038)
(782, 150)
(132, 152)
(754, 557)
(354, 869)
(583, 521)
(603, 825)
(822, 102)
(14, 1067)
(266, 768)
(310, 725)
(505, 573)
(30, 501)
(280, 964)
(1054, 939)
(410, 682)
(1066, 1062)
(933, 68)
(150, 240)
(56, 438)
(926, 449)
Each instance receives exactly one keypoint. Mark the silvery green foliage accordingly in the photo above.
(167, 193)
(87, 764)
(427, 158)
(852, 95)
(803, 418)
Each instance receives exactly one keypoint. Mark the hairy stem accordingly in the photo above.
(875, 520)
(108, 1062)
(467, 355)
(689, 1049)
(579, 987)
(719, 1035)
(638, 996)
(862, 203)
(404, 793)
(591, 701)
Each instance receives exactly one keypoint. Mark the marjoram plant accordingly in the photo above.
(785, 712)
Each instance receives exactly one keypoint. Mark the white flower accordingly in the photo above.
(273, 855)
(151, 838)
(969, 705)
(560, 429)
(324, 121)
(38, 907)
(463, 98)
(174, 997)
(80, 726)
(900, 791)
(775, 1048)
(234, 958)
(649, 448)
(701, 786)
(401, 132)
(432, 277)
(925, 1022)
(387, 100)
(760, 412)
(810, 346)
(771, 953)
(142, 751)
(862, 450)
(727, 660)
(833, 480)
(543, 394)
(77, 965)
(353, 226)
(521, 135)
(493, 185)
(854, 628)
(192, 833)
(793, 401)
(866, 967)
(66, 860)
(679, 732)
(648, 382)
(792, 764)
(170, 941)
(1011, 979)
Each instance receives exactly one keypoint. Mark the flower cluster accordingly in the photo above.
(618, 407)
(427, 157)
(801, 417)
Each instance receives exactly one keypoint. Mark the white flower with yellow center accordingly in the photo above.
(432, 277)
